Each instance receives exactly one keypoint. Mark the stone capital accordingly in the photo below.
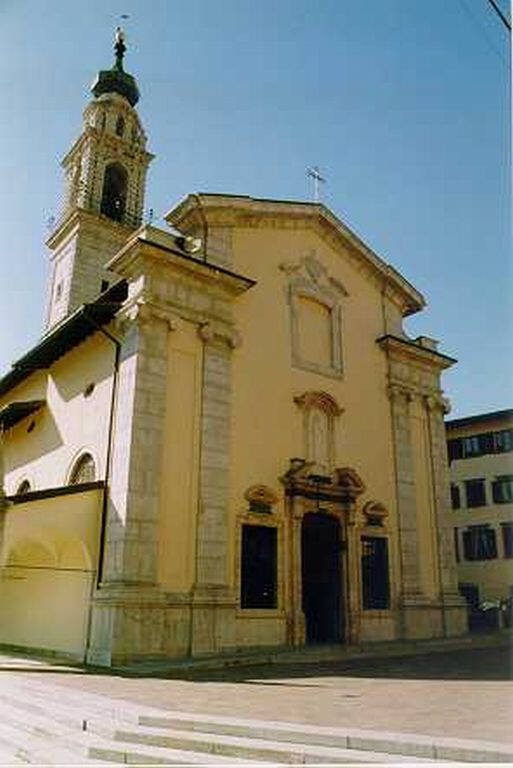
(397, 392)
(142, 313)
(437, 403)
(211, 333)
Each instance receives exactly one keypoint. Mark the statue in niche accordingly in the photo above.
(318, 442)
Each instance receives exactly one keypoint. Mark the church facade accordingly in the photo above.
(224, 438)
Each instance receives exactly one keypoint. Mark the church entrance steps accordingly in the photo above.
(27, 738)
(296, 750)
(357, 744)
(56, 725)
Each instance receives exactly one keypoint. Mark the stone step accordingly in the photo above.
(252, 748)
(64, 711)
(272, 731)
(38, 738)
(417, 746)
(150, 755)
(71, 717)
(42, 726)
(25, 747)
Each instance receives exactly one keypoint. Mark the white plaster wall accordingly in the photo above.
(68, 424)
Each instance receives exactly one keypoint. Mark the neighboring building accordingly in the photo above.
(481, 467)
(225, 438)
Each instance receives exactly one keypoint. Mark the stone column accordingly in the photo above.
(453, 606)
(213, 600)
(132, 541)
(298, 617)
(406, 500)
(127, 609)
(352, 580)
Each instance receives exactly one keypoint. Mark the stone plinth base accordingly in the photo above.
(421, 620)
(139, 622)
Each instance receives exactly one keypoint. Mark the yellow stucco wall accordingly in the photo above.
(47, 572)
(264, 377)
(267, 425)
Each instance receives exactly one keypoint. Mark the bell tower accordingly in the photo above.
(104, 186)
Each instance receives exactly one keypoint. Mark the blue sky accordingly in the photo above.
(404, 104)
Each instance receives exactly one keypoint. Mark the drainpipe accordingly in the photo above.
(3, 499)
(103, 523)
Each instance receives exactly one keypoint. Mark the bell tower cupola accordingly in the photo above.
(104, 187)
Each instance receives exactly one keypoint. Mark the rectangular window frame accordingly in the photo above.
(503, 441)
(473, 498)
(372, 599)
(507, 540)
(275, 603)
(479, 543)
(502, 489)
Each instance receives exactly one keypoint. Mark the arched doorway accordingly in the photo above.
(321, 570)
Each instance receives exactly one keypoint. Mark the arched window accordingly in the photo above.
(120, 126)
(24, 487)
(115, 185)
(84, 470)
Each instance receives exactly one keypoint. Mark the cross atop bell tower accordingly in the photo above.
(104, 186)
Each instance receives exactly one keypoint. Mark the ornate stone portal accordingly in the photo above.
(337, 493)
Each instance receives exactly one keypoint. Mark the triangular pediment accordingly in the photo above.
(200, 210)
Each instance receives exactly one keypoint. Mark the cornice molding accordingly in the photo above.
(407, 349)
(234, 211)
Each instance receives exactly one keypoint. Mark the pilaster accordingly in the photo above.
(211, 592)
(400, 399)
(353, 576)
(123, 623)
(454, 610)
(133, 615)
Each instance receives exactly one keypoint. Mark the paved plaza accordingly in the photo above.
(462, 693)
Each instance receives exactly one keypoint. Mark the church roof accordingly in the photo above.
(116, 80)
(15, 412)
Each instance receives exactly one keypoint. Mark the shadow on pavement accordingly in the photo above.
(478, 664)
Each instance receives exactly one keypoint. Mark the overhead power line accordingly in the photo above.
(500, 14)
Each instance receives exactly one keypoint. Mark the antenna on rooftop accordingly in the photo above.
(315, 174)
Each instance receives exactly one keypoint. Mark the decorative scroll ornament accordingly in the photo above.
(308, 269)
(350, 481)
(261, 498)
(375, 513)
(321, 400)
